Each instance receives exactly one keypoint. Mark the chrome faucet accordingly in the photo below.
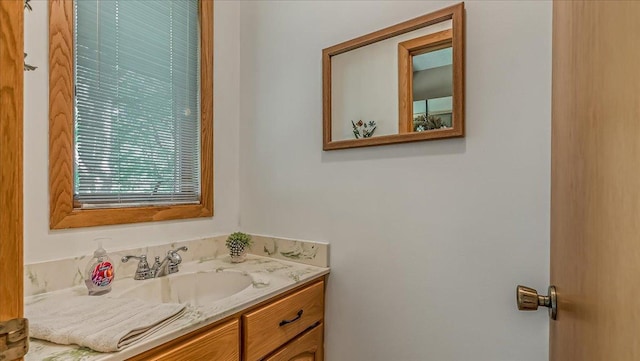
(168, 265)
(143, 271)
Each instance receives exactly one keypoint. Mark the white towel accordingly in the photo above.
(97, 322)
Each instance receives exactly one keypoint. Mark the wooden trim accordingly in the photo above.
(60, 111)
(11, 157)
(405, 89)
(62, 212)
(454, 13)
(389, 139)
(406, 51)
(458, 43)
(326, 99)
(206, 93)
(398, 29)
(428, 43)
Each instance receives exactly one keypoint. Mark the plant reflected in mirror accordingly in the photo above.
(363, 129)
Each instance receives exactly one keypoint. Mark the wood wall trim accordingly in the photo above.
(11, 155)
(60, 111)
(459, 45)
(62, 213)
(206, 103)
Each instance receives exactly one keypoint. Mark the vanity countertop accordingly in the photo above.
(270, 276)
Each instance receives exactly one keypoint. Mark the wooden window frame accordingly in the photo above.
(406, 51)
(61, 148)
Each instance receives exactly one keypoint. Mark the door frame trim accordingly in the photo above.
(11, 157)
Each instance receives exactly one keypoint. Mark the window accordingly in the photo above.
(131, 111)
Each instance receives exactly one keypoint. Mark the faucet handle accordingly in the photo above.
(175, 259)
(183, 248)
(125, 259)
(143, 271)
(174, 256)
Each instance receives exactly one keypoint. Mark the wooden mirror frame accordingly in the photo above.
(454, 13)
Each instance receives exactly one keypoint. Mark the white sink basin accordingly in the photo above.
(198, 289)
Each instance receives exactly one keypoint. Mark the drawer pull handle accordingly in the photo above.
(284, 322)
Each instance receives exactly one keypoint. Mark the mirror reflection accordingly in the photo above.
(403, 83)
(364, 87)
(433, 90)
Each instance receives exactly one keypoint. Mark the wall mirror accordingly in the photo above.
(400, 84)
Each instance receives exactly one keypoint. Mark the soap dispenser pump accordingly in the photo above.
(99, 272)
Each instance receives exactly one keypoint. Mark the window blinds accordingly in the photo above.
(137, 103)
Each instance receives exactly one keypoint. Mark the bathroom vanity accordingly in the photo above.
(286, 327)
(266, 308)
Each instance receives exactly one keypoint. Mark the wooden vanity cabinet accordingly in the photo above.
(220, 343)
(267, 328)
(285, 328)
(306, 347)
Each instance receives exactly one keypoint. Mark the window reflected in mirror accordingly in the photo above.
(426, 78)
(433, 90)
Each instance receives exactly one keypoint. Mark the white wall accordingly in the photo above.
(43, 244)
(428, 240)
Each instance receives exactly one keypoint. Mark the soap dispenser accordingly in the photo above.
(99, 272)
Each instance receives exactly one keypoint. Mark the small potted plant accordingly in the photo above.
(238, 243)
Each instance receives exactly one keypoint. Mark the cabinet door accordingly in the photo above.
(219, 344)
(307, 347)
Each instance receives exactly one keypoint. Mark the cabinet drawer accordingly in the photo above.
(271, 326)
(307, 347)
(220, 344)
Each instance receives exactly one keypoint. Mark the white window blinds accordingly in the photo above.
(137, 103)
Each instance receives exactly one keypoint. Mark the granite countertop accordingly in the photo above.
(270, 277)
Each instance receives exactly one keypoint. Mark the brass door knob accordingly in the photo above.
(528, 299)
